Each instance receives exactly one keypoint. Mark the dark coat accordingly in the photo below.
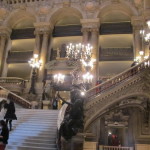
(5, 134)
(10, 113)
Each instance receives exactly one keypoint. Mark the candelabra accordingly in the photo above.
(35, 63)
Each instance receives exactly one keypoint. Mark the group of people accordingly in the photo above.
(7, 109)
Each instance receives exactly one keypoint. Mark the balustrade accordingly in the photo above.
(118, 79)
(16, 98)
(13, 84)
(116, 148)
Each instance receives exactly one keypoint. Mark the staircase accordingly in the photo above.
(130, 83)
(34, 130)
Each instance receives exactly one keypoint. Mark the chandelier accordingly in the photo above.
(82, 54)
(87, 78)
(59, 78)
(146, 32)
(145, 37)
(35, 62)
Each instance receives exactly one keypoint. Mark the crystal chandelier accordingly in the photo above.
(59, 78)
(79, 51)
(87, 78)
(35, 62)
(146, 32)
(82, 54)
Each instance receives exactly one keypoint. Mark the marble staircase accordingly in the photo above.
(33, 130)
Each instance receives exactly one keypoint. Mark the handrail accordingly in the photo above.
(18, 99)
(117, 79)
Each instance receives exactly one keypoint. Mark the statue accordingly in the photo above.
(58, 53)
(73, 119)
(48, 91)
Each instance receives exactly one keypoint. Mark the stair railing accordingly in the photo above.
(116, 148)
(117, 79)
(13, 84)
(17, 99)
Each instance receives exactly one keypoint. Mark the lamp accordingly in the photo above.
(35, 63)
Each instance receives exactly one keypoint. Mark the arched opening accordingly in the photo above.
(116, 42)
(23, 40)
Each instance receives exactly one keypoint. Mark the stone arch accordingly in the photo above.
(19, 15)
(63, 12)
(106, 108)
(123, 7)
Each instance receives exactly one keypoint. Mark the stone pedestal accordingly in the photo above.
(89, 145)
(142, 147)
(46, 104)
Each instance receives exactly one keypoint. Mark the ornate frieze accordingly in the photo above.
(116, 118)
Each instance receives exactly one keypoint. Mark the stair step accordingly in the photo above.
(33, 130)
(28, 148)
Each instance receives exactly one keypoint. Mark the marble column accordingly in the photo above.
(3, 39)
(37, 43)
(85, 36)
(95, 44)
(43, 55)
(5, 56)
(137, 41)
(137, 24)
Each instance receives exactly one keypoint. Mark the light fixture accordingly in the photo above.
(87, 78)
(141, 53)
(145, 33)
(35, 62)
(79, 52)
(59, 78)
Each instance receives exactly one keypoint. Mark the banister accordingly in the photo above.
(18, 99)
(117, 79)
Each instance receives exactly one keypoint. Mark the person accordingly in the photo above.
(4, 136)
(10, 111)
(55, 103)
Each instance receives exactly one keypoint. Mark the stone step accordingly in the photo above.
(28, 148)
(44, 145)
(33, 130)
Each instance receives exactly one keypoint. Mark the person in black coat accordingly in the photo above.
(10, 113)
(4, 136)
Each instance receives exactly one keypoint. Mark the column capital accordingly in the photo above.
(5, 31)
(90, 23)
(43, 27)
(146, 14)
(137, 22)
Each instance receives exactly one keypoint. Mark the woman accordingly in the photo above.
(4, 135)
(10, 113)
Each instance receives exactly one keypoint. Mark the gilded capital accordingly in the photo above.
(5, 32)
(90, 23)
(137, 22)
(43, 27)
